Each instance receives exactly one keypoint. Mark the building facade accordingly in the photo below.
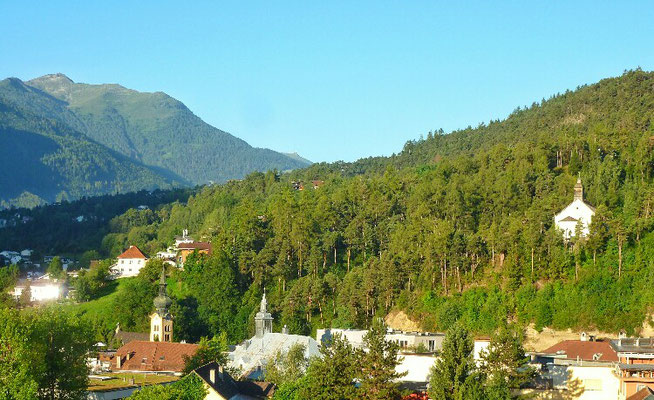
(577, 216)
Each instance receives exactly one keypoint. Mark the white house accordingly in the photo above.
(576, 213)
(41, 290)
(129, 263)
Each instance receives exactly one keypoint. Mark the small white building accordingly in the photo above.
(129, 263)
(41, 290)
(578, 213)
(185, 238)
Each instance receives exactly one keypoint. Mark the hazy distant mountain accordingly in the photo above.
(64, 140)
(44, 160)
(158, 130)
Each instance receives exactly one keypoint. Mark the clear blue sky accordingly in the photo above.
(332, 79)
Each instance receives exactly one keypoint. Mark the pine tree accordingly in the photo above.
(377, 375)
(332, 376)
(452, 374)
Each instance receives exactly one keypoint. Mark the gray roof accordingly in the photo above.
(252, 355)
(636, 367)
(633, 345)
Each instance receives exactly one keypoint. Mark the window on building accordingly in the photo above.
(167, 338)
(432, 345)
(593, 384)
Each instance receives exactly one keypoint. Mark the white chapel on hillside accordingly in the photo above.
(576, 213)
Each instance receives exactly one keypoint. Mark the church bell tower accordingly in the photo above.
(161, 322)
(263, 319)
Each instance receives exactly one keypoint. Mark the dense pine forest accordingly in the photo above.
(456, 227)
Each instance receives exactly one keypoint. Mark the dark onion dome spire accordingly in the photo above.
(162, 301)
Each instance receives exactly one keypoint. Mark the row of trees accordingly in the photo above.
(343, 372)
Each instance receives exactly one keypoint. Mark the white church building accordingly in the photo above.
(576, 213)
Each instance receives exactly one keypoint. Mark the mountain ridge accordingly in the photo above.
(151, 129)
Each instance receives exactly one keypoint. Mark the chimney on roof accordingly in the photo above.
(622, 334)
(212, 376)
(583, 337)
(285, 330)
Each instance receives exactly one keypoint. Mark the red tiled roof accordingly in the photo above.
(574, 349)
(132, 252)
(154, 356)
(195, 246)
(643, 394)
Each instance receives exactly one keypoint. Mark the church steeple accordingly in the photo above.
(579, 190)
(263, 319)
(161, 322)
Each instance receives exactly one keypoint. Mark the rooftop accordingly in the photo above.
(584, 350)
(633, 345)
(195, 246)
(132, 252)
(227, 387)
(253, 354)
(140, 355)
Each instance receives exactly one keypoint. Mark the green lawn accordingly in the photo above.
(123, 380)
(100, 308)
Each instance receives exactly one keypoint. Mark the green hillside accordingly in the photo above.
(452, 228)
(45, 160)
(158, 130)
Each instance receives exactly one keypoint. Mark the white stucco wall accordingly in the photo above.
(127, 267)
(41, 292)
(591, 377)
(577, 210)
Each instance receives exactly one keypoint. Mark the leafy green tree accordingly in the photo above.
(209, 350)
(44, 355)
(25, 299)
(132, 305)
(377, 374)
(56, 268)
(332, 376)
(287, 367)
(505, 362)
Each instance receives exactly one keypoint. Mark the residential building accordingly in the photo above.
(41, 290)
(418, 351)
(251, 356)
(221, 386)
(635, 369)
(576, 369)
(577, 215)
(408, 341)
(129, 263)
(185, 249)
(142, 356)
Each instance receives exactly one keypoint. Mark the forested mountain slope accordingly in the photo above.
(453, 228)
(44, 160)
(160, 131)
